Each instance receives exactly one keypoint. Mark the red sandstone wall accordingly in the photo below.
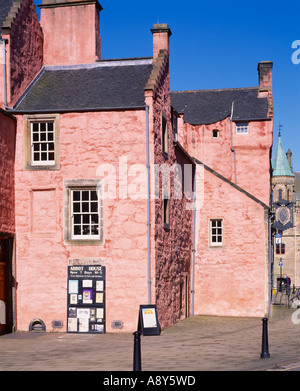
(173, 245)
(24, 51)
(7, 158)
(231, 280)
(86, 141)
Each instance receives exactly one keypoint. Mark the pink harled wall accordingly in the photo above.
(86, 141)
(252, 153)
(79, 26)
(7, 159)
(231, 280)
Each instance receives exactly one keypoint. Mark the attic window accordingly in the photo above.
(242, 127)
(215, 133)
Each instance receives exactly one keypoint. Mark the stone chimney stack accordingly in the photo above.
(289, 158)
(265, 83)
(71, 31)
(265, 76)
(161, 34)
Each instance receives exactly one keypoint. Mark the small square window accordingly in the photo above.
(215, 133)
(216, 232)
(242, 127)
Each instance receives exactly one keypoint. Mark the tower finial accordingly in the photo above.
(279, 129)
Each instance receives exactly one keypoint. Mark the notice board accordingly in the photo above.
(86, 299)
(148, 320)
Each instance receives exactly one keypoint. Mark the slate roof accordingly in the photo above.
(5, 6)
(280, 164)
(204, 107)
(107, 84)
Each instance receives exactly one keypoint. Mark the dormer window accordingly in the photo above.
(242, 127)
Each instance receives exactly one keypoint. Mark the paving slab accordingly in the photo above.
(198, 343)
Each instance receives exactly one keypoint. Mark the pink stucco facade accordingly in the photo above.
(231, 279)
(252, 151)
(79, 26)
(85, 143)
(147, 244)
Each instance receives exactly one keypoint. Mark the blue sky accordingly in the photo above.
(216, 44)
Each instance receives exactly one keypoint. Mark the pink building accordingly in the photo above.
(106, 161)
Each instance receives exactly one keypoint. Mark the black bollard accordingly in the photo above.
(137, 362)
(265, 344)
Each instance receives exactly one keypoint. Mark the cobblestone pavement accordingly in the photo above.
(199, 343)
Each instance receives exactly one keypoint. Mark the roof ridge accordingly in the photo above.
(101, 64)
(215, 89)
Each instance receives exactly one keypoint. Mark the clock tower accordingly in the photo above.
(283, 208)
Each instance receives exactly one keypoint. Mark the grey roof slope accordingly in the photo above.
(5, 6)
(210, 106)
(87, 87)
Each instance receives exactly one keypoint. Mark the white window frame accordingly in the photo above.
(30, 142)
(42, 143)
(242, 127)
(90, 203)
(70, 221)
(219, 233)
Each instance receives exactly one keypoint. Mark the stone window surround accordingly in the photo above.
(81, 184)
(28, 120)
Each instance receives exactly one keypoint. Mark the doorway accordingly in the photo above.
(6, 285)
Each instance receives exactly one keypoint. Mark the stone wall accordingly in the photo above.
(24, 50)
(172, 243)
(7, 159)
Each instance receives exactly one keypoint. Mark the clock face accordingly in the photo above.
(283, 215)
